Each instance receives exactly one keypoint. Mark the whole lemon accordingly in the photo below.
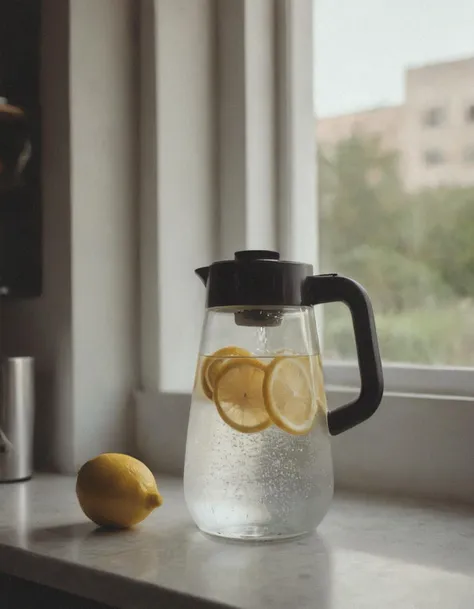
(117, 490)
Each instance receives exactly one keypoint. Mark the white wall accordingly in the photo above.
(104, 99)
(83, 330)
(413, 445)
(417, 447)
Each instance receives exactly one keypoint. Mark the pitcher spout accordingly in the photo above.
(203, 274)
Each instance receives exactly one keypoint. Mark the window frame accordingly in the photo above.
(405, 378)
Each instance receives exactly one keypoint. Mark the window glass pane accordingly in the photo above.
(434, 117)
(395, 128)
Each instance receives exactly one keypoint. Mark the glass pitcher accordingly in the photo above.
(258, 456)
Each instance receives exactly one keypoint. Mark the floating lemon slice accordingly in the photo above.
(238, 395)
(319, 376)
(211, 366)
(289, 395)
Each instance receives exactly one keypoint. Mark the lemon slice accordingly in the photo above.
(200, 383)
(238, 395)
(289, 395)
(212, 365)
(322, 400)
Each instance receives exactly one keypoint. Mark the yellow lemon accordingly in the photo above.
(211, 366)
(238, 395)
(117, 490)
(289, 394)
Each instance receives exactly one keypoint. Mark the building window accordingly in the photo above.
(434, 156)
(469, 154)
(470, 114)
(434, 117)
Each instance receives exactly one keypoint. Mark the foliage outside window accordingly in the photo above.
(412, 251)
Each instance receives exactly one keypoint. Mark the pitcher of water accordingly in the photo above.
(258, 457)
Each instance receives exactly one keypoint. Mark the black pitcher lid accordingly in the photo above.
(254, 278)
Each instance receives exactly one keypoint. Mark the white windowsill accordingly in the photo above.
(407, 378)
(401, 395)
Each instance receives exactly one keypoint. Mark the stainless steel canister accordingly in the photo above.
(16, 418)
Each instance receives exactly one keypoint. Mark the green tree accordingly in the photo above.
(396, 282)
(361, 197)
(414, 252)
(446, 243)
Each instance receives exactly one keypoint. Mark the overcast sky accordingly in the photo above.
(363, 46)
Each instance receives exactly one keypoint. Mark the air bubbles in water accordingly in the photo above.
(262, 340)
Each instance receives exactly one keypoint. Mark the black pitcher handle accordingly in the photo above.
(321, 289)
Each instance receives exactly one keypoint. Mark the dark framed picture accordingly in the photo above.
(20, 149)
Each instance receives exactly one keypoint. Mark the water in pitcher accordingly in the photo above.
(245, 476)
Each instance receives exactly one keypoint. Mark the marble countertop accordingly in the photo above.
(368, 554)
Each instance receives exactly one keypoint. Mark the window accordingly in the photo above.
(470, 114)
(409, 242)
(433, 156)
(434, 117)
(256, 117)
(380, 219)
